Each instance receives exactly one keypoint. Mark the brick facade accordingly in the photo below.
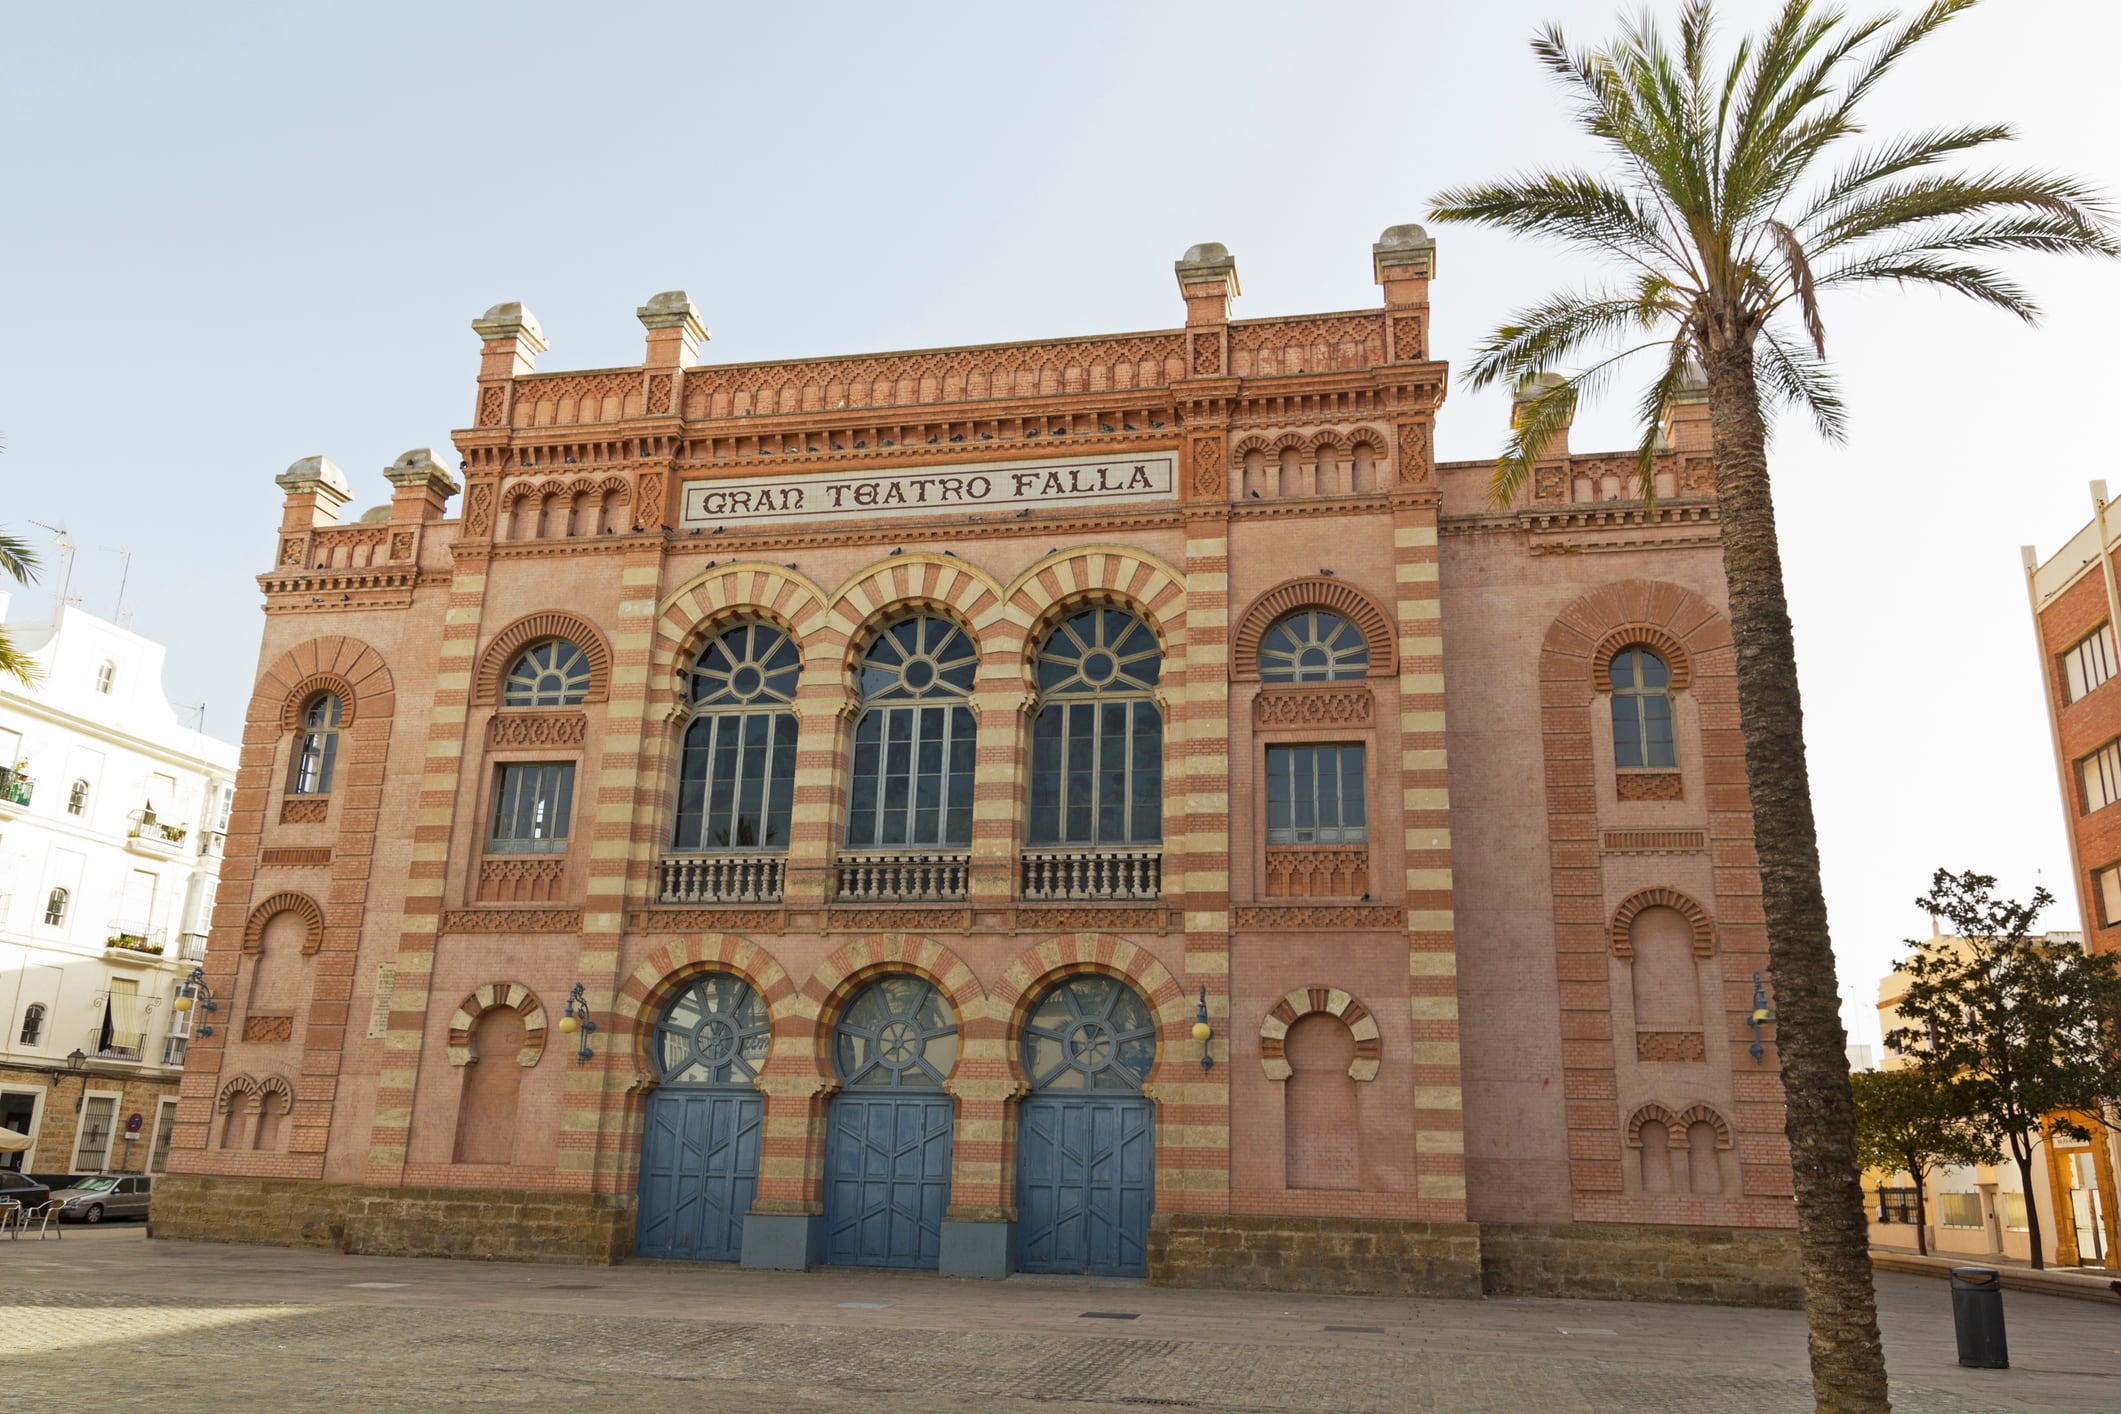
(1208, 481)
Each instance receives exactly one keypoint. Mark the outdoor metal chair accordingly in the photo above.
(43, 1218)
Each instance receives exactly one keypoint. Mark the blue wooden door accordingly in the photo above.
(1086, 1182)
(699, 1173)
(887, 1179)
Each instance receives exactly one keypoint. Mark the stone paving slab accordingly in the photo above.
(106, 1320)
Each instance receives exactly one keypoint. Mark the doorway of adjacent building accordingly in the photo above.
(888, 1138)
(1086, 1138)
(18, 1111)
(700, 1135)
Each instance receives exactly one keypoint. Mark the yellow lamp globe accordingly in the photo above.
(182, 1002)
(1202, 1031)
(568, 1026)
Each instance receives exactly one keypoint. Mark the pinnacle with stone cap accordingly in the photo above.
(1407, 245)
(418, 470)
(318, 474)
(510, 321)
(1207, 263)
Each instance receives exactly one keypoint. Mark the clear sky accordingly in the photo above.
(248, 233)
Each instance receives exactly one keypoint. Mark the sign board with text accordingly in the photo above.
(930, 491)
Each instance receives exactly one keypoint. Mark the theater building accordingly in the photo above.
(1102, 805)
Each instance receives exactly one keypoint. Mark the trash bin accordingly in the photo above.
(1977, 1318)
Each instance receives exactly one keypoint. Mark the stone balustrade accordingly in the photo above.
(901, 876)
(1057, 875)
(722, 878)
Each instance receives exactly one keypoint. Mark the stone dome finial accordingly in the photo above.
(418, 467)
(1408, 251)
(1209, 263)
(319, 473)
(1206, 253)
(510, 321)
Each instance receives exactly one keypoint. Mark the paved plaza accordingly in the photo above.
(106, 1320)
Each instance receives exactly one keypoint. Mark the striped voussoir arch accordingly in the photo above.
(1113, 575)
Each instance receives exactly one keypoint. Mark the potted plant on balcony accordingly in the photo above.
(133, 942)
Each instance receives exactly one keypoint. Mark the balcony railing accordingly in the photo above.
(210, 842)
(722, 878)
(1055, 875)
(128, 937)
(901, 876)
(15, 786)
(191, 947)
(121, 1045)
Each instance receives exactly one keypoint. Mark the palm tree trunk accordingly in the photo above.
(1848, 1364)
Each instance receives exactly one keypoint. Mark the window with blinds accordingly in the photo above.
(2106, 883)
(2102, 777)
(1961, 1209)
(2089, 662)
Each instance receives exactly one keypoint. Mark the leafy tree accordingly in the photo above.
(19, 562)
(2019, 1027)
(1728, 227)
(1908, 1121)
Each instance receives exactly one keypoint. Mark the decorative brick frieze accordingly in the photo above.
(707, 920)
(536, 729)
(1334, 706)
(512, 920)
(1649, 785)
(1670, 1046)
(1318, 871)
(1087, 918)
(268, 1028)
(305, 810)
(1656, 841)
(1318, 917)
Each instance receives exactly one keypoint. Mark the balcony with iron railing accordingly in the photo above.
(118, 1046)
(210, 843)
(156, 840)
(901, 876)
(1087, 875)
(191, 947)
(721, 878)
(16, 787)
(130, 941)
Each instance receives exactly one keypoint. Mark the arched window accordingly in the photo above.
(554, 673)
(1091, 1032)
(913, 747)
(715, 1032)
(55, 908)
(317, 746)
(1642, 710)
(1313, 645)
(33, 1024)
(105, 675)
(736, 778)
(898, 1033)
(77, 799)
(1097, 745)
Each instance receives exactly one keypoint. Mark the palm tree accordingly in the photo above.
(19, 562)
(1720, 210)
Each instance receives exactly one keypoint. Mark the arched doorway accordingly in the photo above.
(887, 1145)
(700, 1138)
(1086, 1137)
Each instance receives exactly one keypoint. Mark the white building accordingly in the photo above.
(111, 821)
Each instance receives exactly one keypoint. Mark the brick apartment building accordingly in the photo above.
(905, 759)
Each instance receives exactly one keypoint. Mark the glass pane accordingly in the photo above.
(1044, 825)
(1657, 730)
(780, 795)
(1148, 819)
(1354, 809)
(1627, 733)
(1279, 769)
(1650, 668)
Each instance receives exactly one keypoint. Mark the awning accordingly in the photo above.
(13, 1143)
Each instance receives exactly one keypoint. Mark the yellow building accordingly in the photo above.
(1980, 1209)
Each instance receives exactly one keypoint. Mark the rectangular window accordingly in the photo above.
(1960, 1210)
(2089, 662)
(531, 808)
(1315, 795)
(2011, 1208)
(222, 806)
(2101, 772)
(165, 1125)
(2106, 883)
(912, 778)
(92, 1144)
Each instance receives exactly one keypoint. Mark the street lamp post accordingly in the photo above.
(75, 1060)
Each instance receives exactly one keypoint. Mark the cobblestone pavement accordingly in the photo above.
(106, 1320)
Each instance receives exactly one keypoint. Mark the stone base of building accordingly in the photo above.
(1359, 1256)
(1716, 1266)
(493, 1224)
(783, 1242)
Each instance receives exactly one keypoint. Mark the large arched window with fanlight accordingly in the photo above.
(736, 775)
(554, 673)
(1097, 744)
(911, 783)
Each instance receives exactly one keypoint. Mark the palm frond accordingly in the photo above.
(1794, 378)
(1680, 373)
(17, 559)
(1536, 338)
(1571, 206)
(1801, 287)
(1533, 423)
(1905, 155)
(1973, 281)
(1894, 49)
(1944, 196)
(16, 664)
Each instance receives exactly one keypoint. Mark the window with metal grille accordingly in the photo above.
(33, 1025)
(1097, 744)
(77, 798)
(92, 1149)
(317, 747)
(2101, 773)
(532, 804)
(106, 675)
(1642, 710)
(736, 777)
(55, 908)
(2088, 662)
(1313, 645)
(1315, 795)
(913, 747)
(550, 674)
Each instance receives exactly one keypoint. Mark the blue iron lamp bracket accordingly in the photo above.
(1203, 1032)
(1761, 1017)
(576, 1021)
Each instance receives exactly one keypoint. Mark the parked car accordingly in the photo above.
(109, 1195)
(21, 1188)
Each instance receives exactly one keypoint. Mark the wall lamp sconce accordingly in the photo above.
(1761, 1017)
(576, 1020)
(1203, 1032)
(195, 994)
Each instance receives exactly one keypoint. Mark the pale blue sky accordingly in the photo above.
(247, 233)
